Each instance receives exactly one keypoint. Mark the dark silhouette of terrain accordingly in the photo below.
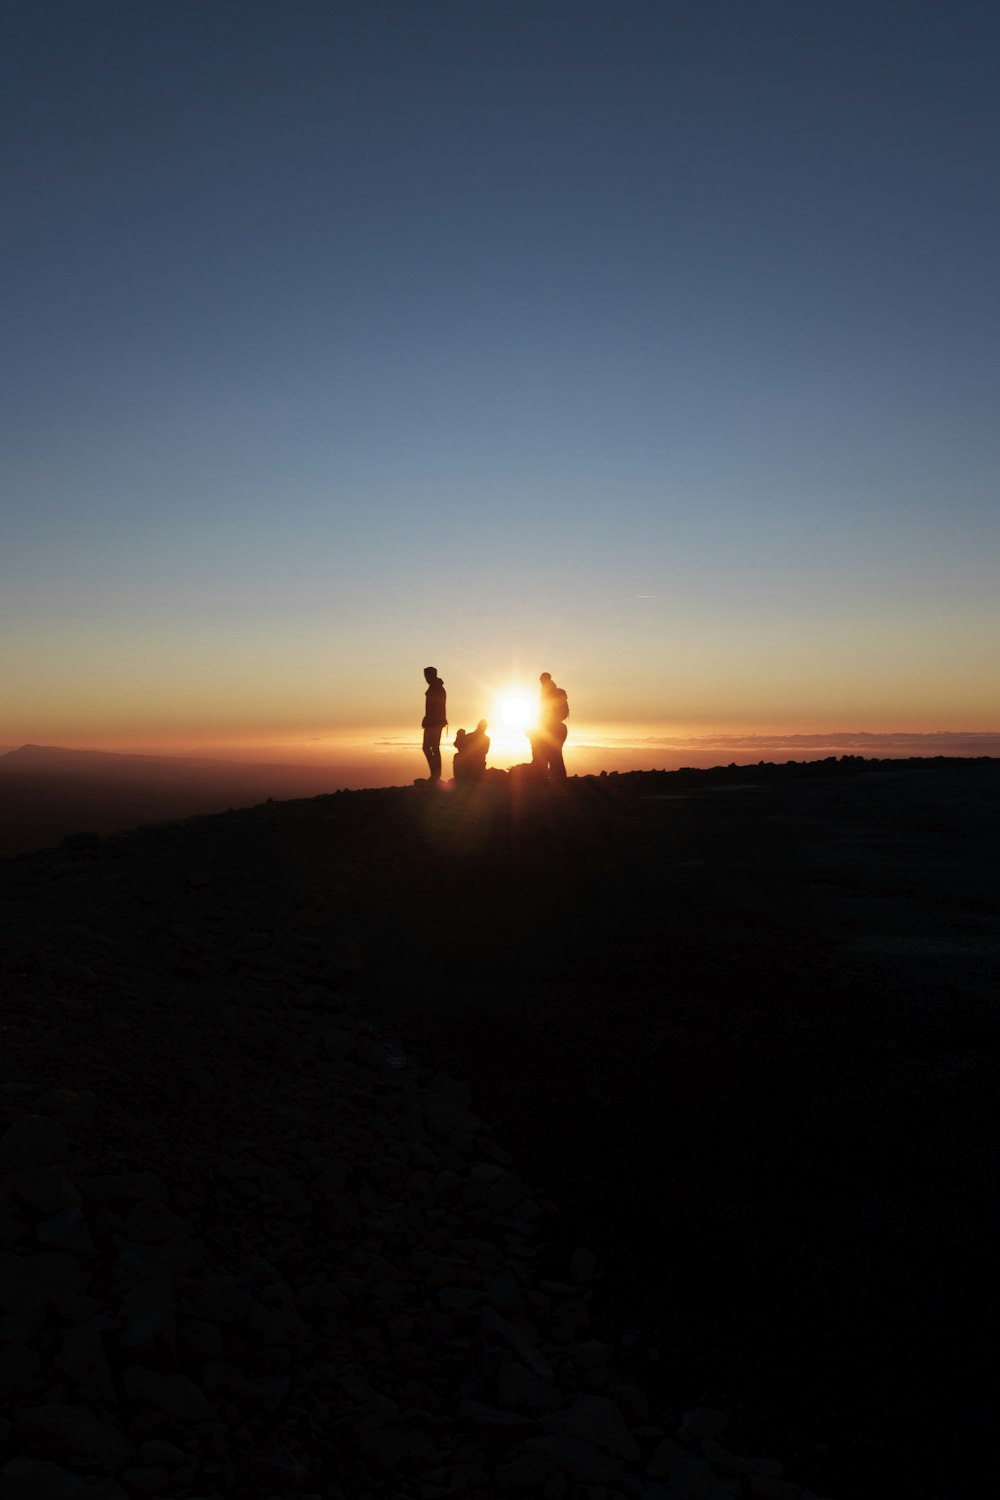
(743, 1024)
(740, 1026)
(47, 791)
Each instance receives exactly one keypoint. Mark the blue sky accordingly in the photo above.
(653, 344)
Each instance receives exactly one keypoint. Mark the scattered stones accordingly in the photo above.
(577, 1459)
(74, 1109)
(703, 1422)
(175, 1394)
(37, 1479)
(596, 1420)
(247, 1248)
(75, 1432)
(32, 1141)
(582, 1266)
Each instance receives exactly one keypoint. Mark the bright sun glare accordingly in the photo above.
(515, 712)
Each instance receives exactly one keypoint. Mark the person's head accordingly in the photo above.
(545, 678)
(430, 674)
(481, 726)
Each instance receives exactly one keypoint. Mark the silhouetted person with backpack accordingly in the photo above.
(434, 720)
(470, 761)
(550, 733)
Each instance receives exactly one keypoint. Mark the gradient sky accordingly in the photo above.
(654, 345)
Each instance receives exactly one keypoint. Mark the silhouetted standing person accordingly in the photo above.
(434, 720)
(550, 735)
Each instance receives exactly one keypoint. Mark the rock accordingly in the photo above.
(28, 1319)
(75, 1432)
(73, 1307)
(519, 1388)
(631, 1401)
(46, 1189)
(158, 1453)
(149, 1314)
(577, 1459)
(82, 1358)
(768, 1488)
(591, 1354)
(504, 1194)
(582, 1266)
(147, 1481)
(73, 1109)
(32, 1141)
(142, 1185)
(569, 1317)
(276, 1320)
(66, 1230)
(20, 1368)
(216, 1375)
(36, 1479)
(47, 1273)
(371, 1053)
(492, 1419)
(388, 1446)
(767, 1468)
(201, 1338)
(445, 1115)
(525, 1473)
(264, 1391)
(151, 1222)
(519, 1339)
(12, 1231)
(68, 971)
(595, 1419)
(332, 1181)
(703, 1422)
(459, 1301)
(279, 1470)
(688, 1476)
(175, 1394)
(342, 956)
(503, 1293)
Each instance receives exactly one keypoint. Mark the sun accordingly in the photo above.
(515, 711)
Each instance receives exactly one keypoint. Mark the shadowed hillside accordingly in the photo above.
(729, 1040)
(47, 791)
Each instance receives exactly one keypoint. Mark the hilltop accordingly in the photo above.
(407, 1142)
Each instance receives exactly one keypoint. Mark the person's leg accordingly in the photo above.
(557, 766)
(432, 750)
(541, 751)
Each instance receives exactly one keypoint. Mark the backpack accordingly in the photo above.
(561, 704)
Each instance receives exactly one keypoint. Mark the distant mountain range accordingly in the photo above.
(47, 791)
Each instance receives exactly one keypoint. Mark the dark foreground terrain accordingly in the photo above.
(730, 1041)
(46, 791)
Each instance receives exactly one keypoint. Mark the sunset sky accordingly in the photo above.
(651, 344)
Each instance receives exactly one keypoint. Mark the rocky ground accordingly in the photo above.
(256, 1242)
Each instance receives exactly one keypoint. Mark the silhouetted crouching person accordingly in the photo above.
(434, 720)
(550, 732)
(470, 760)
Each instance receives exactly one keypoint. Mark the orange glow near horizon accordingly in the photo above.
(381, 755)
